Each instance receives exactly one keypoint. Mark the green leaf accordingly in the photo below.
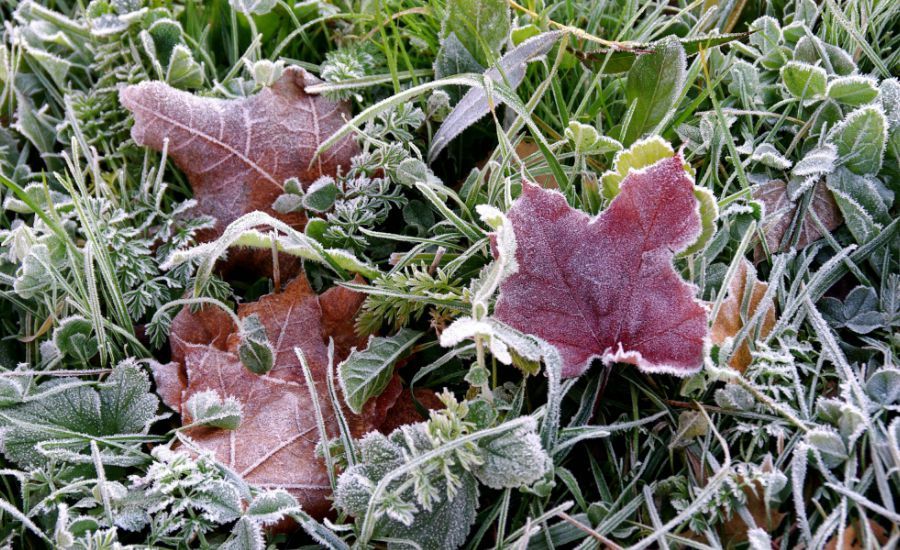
(321, 195)
(853, 90)
(365, 374)
(184, 72)
(653, 85)
(68, 415)
(884, 387)
(482, 26)
(270, 506)
(445, 526)
(73, 338)
(619, 61)
(515, 458)
(255, 351)
(586, 140)
(829, 445)
(803, 80)
(246, 535)
(207, 408)
(860, 140)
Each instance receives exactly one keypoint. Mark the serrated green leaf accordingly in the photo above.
(365, 374)
(513, 459)
(69, 417)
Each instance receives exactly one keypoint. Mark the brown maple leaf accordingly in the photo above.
(237, 153)
(780, 212)
(274, 446)
(729, 321)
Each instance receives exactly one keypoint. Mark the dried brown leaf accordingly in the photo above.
(729, 321)
(238, 153)
(274, 446)
(780, 212)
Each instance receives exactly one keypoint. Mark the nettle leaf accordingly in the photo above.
(238, 153)
(510, 69)
(780, 213)
(513, 459)
(803, 80)
(745, 294)
(366, 373)
(269, 507)
(853, 90)
(860, 140)
(275, 444)
(605, 287)
(652, 87)
(67, 417)
(482, 26)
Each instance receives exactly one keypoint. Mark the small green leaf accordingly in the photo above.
(207, 408)
(803, 80)
(586, 140)
(73, 338)
(365, 374)
(653, 85)
(853, 90)
(860, 140)
(321, 195)
(270, 506)
(884, 387)
(481, 25)
(829, 445)
(255, 351)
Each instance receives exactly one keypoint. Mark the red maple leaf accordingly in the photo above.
(605, 287)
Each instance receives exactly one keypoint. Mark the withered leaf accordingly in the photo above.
(237, 153)
(729, 321)
(274, 446)
(780, 212)
(605, 287)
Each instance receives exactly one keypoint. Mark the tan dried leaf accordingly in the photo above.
(238, 153)
(729, 320)
(274, 446)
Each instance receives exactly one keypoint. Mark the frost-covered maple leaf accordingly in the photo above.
(274, 445)
(237, 153)
(605, 287)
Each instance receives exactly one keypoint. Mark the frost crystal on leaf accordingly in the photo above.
(606, 287)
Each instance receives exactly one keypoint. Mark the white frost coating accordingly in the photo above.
(853, 142)
(466, 328)
(845, 88)
(817, 161)
(768, 155)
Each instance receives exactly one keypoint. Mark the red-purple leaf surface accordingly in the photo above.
(274, 446)
(237, 153)
(605, 287)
